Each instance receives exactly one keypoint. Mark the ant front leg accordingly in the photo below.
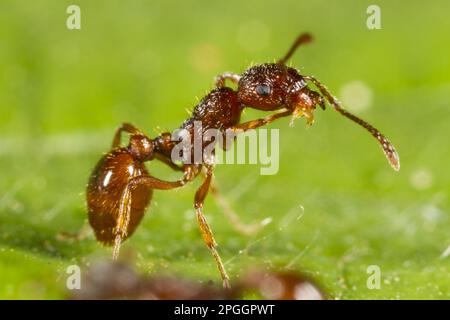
(125, 205)
(253, 124)
(233, 77)
(205, 229)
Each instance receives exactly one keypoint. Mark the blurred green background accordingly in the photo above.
(336, 205)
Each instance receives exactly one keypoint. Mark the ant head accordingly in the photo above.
(270, 86)
(141, 147)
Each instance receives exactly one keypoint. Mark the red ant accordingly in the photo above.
(120, 188)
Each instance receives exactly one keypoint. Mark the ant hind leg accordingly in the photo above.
(253, 124)
(238, 225)
(123, 218)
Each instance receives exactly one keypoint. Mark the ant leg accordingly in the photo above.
(123, 217)
(234, 219)
(386, 145)
(168, 162)
(124, 127)
(206, 231)
(190, 172)
(236, 222)
(233, 77)
(253, 124)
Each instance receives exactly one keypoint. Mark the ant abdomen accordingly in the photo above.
(104, 191)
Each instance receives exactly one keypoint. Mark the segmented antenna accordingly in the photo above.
(301, 39)
(386, 145)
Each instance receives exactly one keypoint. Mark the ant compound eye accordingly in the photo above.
(263, 90)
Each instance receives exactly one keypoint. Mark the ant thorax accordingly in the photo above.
(214, 114)
(219, 109)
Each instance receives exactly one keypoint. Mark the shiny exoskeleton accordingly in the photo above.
(120, 188)
(104, 192)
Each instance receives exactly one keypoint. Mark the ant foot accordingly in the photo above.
(226, 284)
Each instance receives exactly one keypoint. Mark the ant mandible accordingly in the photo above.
(120, 188)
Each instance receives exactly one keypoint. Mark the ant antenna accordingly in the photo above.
(386, 145)
(301, 39)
